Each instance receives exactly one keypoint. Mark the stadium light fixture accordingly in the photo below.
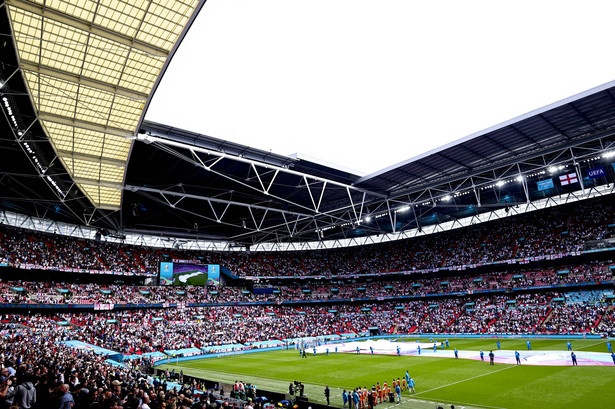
(520, 178)
(609, 154)
(500, 183)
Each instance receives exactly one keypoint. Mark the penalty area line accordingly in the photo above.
(464, 380)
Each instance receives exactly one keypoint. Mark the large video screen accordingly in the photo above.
(189, 274)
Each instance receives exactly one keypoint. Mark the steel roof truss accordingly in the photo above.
(225, 176)
(164, 141)
(392, 217)
(524, 184)
(499, 174)
(553, 161)
(460, 185)
(476, 192)
(205, 166)
(46, 178)
(309, 189)
(357, 217)
(213, 210)
(25, 131)
(265, 190)
(292, 231)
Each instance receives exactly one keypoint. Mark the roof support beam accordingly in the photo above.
(165, 193)
(182, 145)
(524, 183)
(58, 119)
(309, 189)
(88, 26)
(95, 182)
(78, 79)
(558, 150)
(91, 158)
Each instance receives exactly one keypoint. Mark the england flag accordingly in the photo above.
(568, 179)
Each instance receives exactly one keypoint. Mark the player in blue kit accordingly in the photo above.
(518, 357)
(411, 385)
(529, 345)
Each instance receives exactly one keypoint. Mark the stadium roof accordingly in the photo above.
(74, 149)
(90, 68)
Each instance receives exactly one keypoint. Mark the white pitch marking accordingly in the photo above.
(590, 345)
(464, 380)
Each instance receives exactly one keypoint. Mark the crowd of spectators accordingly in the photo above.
(554, 231)
(28, 292)
(31, 344)
(149, 330)
(31, 349)
(573, 318)
(63, 377)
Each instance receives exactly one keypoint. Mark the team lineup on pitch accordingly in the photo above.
(441, 350)
(441, 380)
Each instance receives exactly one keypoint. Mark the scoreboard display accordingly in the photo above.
(189, 274)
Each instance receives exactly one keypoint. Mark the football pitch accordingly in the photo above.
(439, 381)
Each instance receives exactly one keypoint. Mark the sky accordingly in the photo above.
(364, 85)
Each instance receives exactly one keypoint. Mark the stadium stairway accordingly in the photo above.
(421, 321)
(486, 329)
(102, 263)
(606, 312)
(545, 319)
(454, 319)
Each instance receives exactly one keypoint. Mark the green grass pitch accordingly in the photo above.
(465, 383)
